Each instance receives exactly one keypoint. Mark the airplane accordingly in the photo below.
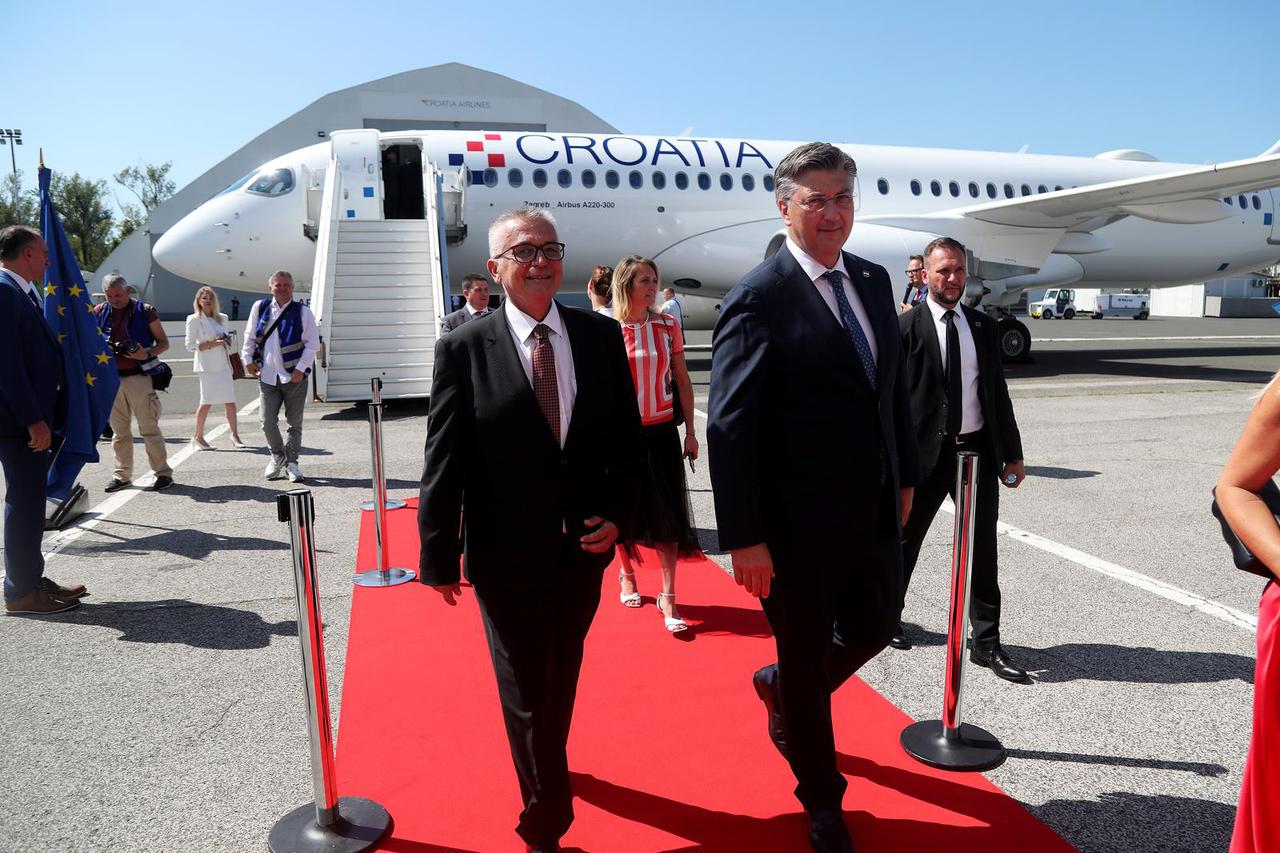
(704, 210)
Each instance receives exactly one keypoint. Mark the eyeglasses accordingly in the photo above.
(918, 269)
(527, 254)
(818, 203)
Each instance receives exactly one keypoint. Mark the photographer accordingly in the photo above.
(136, 337)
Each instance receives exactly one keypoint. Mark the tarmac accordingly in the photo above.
(166, 713)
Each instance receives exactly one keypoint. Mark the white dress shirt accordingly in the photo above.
(472, 312)
(27, 286)
(521, 326)
(273, 372)
(971, 419)
(815, 271)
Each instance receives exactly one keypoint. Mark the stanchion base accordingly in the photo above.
(391, 577)
(975, 749)
(359, 825)
(392, 503)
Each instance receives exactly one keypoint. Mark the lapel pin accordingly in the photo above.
(866, 274)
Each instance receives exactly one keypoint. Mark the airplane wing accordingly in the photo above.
(1021, 232)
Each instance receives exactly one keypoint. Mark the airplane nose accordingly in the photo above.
(191, 246)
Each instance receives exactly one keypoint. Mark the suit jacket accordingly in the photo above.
(795, 431)
(491, 453)
(928, 389)
(32, 377)
(456, 319)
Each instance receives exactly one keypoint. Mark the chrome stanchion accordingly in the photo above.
(382, 574)
(330, 823)
(375, 444)
(950, 743)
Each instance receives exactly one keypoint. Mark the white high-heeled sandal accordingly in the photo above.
(674, 624)
(629, 599)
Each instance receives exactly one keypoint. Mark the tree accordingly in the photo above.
(151, 185)
(82, 205)
(18, 207)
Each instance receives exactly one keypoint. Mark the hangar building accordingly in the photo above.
(452, 96)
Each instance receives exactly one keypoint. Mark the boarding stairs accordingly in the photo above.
(378, 288)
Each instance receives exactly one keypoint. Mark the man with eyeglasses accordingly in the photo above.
(542, 505)
(916, 289)
(813, 465)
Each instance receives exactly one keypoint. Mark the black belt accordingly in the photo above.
(963, 438)
(137, 372)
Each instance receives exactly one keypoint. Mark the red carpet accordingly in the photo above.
(668, 745)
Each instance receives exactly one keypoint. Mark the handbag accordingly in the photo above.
(237, 366)
(677, 410)
(1244, 559)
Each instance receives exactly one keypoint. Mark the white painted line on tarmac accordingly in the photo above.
(1077, 382)
(1143, 582)
(1160, 338)
(95, 516)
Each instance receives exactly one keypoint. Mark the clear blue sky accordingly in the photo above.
(102, 86)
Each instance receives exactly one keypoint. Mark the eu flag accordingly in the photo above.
(91, 377)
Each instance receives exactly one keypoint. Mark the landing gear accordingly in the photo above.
(1015, 340)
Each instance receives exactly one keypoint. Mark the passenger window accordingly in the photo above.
(915, 187)
(274, 182)
(767, 183)
(1008, 190)
(1257, 205)
(954, 189)
(1042, 189)
(973, 190)
(1057, 188)
(491, 177)
(935, 188)
(726, 181)
(539, 177)
(682, 181)
(659, 180)
(991, 190)
(515, 177)
(635, 179)
(1026, 190)
(1243, 203)
(883, 186)
(589, 178)
(748, 182)
(564, 178)
(704, 181)
(611, 179)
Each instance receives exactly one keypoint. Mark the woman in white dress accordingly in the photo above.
(209, 338)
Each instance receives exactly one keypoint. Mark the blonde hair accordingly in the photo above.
(195, 304)
(624, 274)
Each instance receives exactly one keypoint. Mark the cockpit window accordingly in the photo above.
(237, 184)
(272, 182)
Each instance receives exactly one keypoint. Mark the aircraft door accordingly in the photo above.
(1271, 204)
(357, 157)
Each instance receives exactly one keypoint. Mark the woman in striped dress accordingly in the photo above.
(664, 519)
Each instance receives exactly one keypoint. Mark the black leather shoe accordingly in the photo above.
(827, 832)
(116, 485)
(765, 682)
(998, 661)
(162, 483)
(543, 847)
(899, 639)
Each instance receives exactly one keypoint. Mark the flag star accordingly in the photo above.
(62, 338)
(76, 290)
(62, 309)
(89, 307)
(90, 378)
(103, 358)
(50, 289)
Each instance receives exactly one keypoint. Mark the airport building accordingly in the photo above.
(1253, 295)
(441, 97)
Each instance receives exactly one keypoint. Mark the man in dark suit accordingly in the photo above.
(519, 400)
(813, 465)
(916, 289)
(475, 290)
(959, 401)
(32, 408)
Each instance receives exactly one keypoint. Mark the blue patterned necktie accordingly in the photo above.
(851, 325)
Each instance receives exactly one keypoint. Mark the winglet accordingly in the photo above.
(1274, 149)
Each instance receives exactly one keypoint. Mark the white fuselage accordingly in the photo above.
(703, 209)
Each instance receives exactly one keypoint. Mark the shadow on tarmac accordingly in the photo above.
(1120, 822)
(180, 622)
(1139, 665)
(1145, 364)
(183, 542)
(1052, 473)
(1199, 768)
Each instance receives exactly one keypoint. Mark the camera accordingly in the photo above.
(124, 349)
(227, 336)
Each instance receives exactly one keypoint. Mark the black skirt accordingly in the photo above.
(663, 512)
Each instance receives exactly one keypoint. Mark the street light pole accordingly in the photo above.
(12, 137)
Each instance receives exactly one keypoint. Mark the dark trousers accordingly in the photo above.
(535, 640)
(984, 599)
(829, 617)
(24, 483)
